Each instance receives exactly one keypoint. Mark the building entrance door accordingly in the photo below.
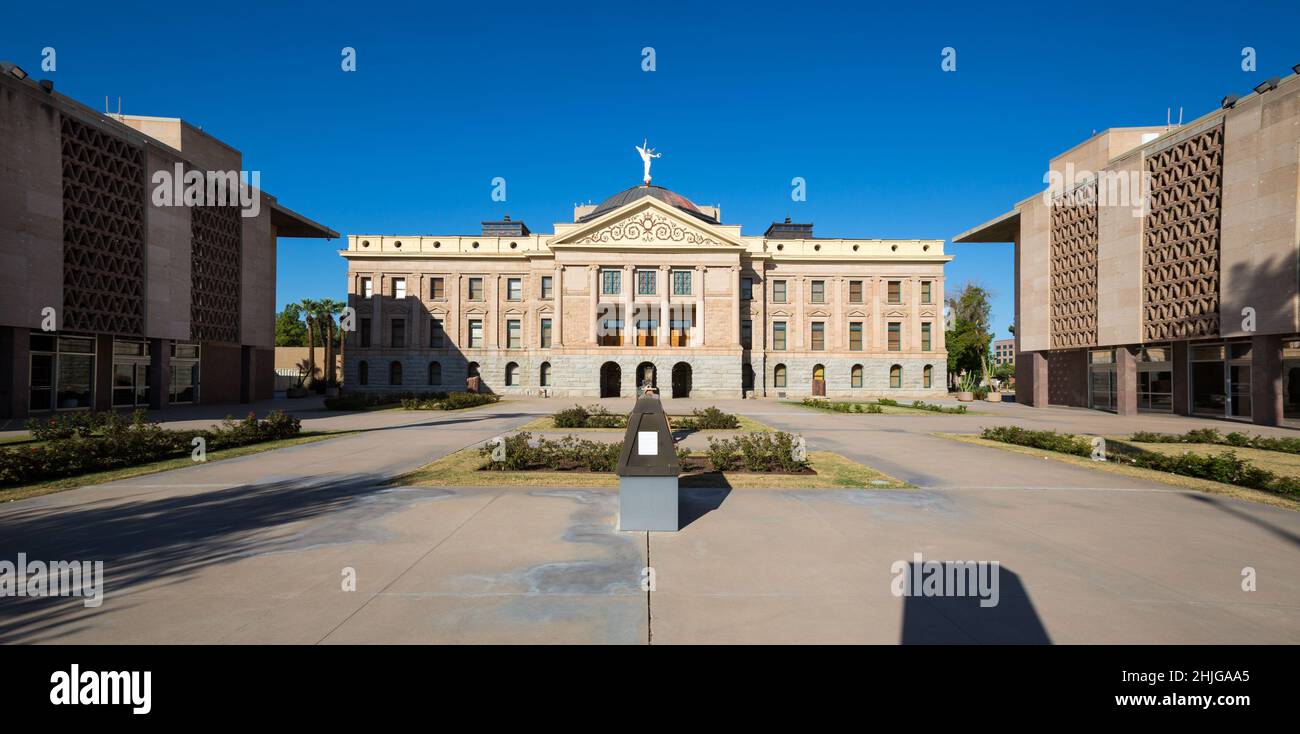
(681, 380)
(611, 378)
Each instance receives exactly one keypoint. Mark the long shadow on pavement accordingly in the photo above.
(951, 619)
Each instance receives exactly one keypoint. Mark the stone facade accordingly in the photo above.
(647, 278)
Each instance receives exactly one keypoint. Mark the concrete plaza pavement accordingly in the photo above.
(256, 549)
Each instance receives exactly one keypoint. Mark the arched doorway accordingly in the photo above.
(646, 374)
(681, 380)
(611, 380)
(819, 380)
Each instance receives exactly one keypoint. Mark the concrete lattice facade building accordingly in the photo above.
(647, 285)
(1183, 300)
(109, 300)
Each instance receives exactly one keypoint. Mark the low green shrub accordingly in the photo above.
(570, 453)
(363, 400)
(1066, 443)
(591, 416)
(117, 441)
(842, 406)
(459, 400)
(1284, 445)
(708, 419)
(756, 452)
(936, 408)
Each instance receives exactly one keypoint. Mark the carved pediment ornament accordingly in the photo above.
(647, 226)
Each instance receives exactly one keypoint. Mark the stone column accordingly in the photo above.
(160, 373)
(15, 356)
(697, 325)
(737, 304)
(377, 311)
(913, 300)
(760, 282)
(794, 337)
(102, 378)
(877, 316)
(557, 298)
(1126, 381)
(940, 328)
(1182, 380)
(456, 313)
(629, 308)
(593, 285)
(1266, 391)
(1038, 384)
(665, 306)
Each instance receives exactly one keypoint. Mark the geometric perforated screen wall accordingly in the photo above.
(103, 231)
(217, 235)
(1073, 294)
(1180, 242)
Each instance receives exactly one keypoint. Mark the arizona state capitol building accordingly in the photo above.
(647, 287)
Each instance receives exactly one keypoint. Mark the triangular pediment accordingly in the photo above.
(647, 222)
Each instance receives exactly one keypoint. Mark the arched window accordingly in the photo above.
(471, 370)
(435, 373)
(896, 376)
(819, 372)
(544, 375)
(927, 375)
(778, 376)
(512, 374)
(856, 376)
(363, 373)
(394, 373)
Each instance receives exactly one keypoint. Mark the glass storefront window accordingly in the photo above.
(62, 373)
(184, 382)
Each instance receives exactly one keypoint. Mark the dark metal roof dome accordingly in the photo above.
(671, 198)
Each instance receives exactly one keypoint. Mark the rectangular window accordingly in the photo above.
(681, 282)
(818, 336)
(398, 333)
(437, 288)
(548, 286)
(925, 292)
(855, 291)
(819, 291)
(611, 282)
(367, 287)
(437, 337)
(514, 334)
(746, 289)
(546, 334)
(855, 336)
(475, 334)
(895, 336)
(778, 291)
(399, 288)
(679, 332)
(645, 282)
(925, 336)
(646, 330)
(747, 334)
(778, 336)
(895, 291)
(514, 289)
(475, 289)
(365, 333)
(611, 332)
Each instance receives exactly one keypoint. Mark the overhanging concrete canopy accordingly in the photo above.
(289, 223)
(1001, 229)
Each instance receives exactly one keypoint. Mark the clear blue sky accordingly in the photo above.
(744, 98)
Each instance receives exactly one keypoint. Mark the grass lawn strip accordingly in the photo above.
(1177, 480)
(112, 475)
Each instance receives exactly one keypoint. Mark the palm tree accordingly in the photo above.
(328, 308)
(310, 309)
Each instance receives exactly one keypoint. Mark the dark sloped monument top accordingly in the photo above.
(647, 470)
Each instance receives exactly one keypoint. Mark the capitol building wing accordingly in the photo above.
(647, 287)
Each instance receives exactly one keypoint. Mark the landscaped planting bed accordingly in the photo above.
(81, 443)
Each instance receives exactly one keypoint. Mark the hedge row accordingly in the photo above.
(1226, 467)
(570, 453)
(114, 441)
(842, 406)
(452, 401)
(1212, 436)
(757, 452)
(597, 416)
(922, 405)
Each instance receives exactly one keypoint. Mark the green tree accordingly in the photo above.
(290, 331)
(969, 336)
(325, 318)
(310, 310)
